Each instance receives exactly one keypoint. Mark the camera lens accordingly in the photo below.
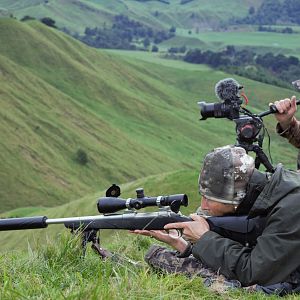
(207, 110)
(213, 110)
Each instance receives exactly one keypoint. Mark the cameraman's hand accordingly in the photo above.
(286, 111)
(169, 237)
(191, 231)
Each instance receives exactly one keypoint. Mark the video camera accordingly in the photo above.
(248, 125)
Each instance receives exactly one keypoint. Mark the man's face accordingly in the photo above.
(215, 208)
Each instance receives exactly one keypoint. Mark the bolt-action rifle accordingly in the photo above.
(237, 228)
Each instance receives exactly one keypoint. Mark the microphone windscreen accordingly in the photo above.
(227, 89)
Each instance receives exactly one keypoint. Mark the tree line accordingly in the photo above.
(124, 33)
(272, 12)
(277, 69)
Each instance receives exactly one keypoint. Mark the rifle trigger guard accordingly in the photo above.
(179, 233)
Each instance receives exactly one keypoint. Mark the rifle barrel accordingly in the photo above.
(85, 219)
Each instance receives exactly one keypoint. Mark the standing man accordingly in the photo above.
(288, 126)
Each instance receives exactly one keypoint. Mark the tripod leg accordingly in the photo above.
(263, 158)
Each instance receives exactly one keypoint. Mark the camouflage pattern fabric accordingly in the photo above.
(225, 174)
(220, 284)
(165, 260)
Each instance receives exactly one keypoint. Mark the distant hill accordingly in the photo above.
(79, 14)
(209, 25)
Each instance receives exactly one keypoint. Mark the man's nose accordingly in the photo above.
(204, 204)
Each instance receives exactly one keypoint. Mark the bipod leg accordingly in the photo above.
(87, 236)
(104, 254)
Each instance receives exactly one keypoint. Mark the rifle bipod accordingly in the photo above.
(91, 236)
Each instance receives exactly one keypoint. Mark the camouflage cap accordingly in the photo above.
(225, 174)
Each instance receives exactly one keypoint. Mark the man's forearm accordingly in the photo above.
(209, 250)
(248, 265)
(292, 132)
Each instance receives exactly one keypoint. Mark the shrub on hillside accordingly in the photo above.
(81, 157)
(49, 22)
(27, 18)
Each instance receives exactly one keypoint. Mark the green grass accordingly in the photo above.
(75, 16)
(56, 271)
(158, 58)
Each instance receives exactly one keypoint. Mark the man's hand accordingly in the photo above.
(171, 238)
(286, 111)
(191, 231)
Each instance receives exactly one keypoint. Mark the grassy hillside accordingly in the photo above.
(56, 271)
(197, 22)
(76, 15)
(58, 96)
(135, 115)
(131, 117)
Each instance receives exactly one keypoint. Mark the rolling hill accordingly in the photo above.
(76, 15)
(199, 24)
(131, 118)
(59, 96)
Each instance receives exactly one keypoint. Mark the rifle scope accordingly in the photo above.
(107, 205)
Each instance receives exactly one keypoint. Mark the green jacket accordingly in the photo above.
(277, 252)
